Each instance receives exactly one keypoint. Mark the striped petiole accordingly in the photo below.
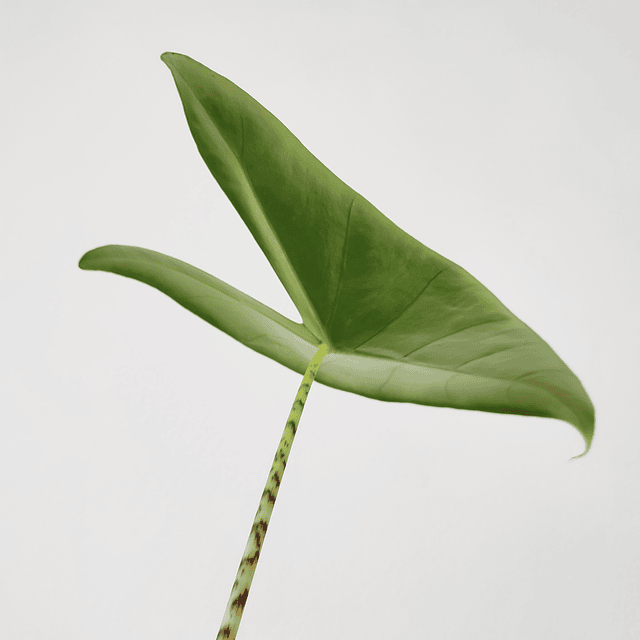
(244, 577)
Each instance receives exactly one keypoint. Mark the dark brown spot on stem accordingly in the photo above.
(241, 600)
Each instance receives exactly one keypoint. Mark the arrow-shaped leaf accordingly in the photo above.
(402, 323)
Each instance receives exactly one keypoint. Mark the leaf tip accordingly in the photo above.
(90, 260)
(587, 441)
(85, 261)
(168, 57)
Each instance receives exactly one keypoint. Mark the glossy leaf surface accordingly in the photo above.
(402, 323)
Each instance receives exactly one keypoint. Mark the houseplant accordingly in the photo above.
(383, 316)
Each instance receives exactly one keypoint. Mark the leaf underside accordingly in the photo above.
(402, 323)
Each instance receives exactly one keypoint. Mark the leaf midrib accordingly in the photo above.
(291, 276)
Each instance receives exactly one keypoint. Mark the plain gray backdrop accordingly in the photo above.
(135, 439)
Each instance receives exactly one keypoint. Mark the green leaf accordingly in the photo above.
(402, 323)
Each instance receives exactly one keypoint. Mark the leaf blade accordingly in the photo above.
(402, 322)
(292, 345)
(223, 306)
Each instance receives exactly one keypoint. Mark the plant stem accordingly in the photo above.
(240, 590)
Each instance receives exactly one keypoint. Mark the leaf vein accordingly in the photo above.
(426, 344)
(486, 355)
(403, 310)
(342, 269)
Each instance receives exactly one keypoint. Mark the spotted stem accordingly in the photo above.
(244, 577)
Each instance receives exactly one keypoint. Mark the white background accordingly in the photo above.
(135, 439)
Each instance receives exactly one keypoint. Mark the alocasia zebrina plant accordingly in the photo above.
(387, 317)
